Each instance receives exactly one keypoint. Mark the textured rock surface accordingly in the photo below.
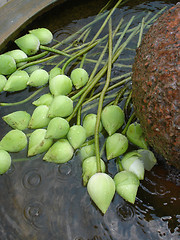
(156, 87)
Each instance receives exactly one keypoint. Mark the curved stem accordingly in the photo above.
(36, 62)
(54, 51)
(128, 123)
(33, 58)
(23, 101)
(78, 54)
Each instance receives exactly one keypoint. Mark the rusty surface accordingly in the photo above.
(156, 85)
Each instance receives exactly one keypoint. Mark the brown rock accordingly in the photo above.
(156, 85)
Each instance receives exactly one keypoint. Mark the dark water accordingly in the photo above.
(42, 201)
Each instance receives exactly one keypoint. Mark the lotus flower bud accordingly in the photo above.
(38, 78)
(43, 34)
(127, 185)
(112, 118)
(54, 72)
(5, 161)
(89, 123)
(37, 142)
(17, 54)
(3, 81)
(60, 152)
(18, 120)
(45, 99)
(148, 158)
(132, 163)
(17, 81)
(61, 106)
(28, 43)
(136, 136)
(13, 141)
(116, 145)
(39, 118)
(89, 168)
(57, 128)
(101, 189)
(60, 85)
(7, 64)
(87, 151)
(79, 77)
(76, 136)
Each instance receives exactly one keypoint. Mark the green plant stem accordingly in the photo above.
(33, 58)
(106, 20)
(121, 92)
(101, 73)
(70, 38)
(36, 62)
(109, 89)
(79, 116)
(54, 51)
(128, 123)
(78, 54)
(122, 35)
(96, 67)
(140, 33)
(128, 100)
(100, 105)
(25, 100)
(93, 105)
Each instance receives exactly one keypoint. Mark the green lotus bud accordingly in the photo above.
(135, 135)
(17, 81)
(13, 141)
(76, 136)
(89, 123)
(89, 168)
(3, 81)
(60, 152)
(43, 34)
(39, 118)
(17, 54)
(7, 64)
(116, 145)
(87, 151)
(31, 69)
(61, 106)
(112, 118)
(132, 163)
(38, 78)
(28, 43)
(45, 99)
(127, 185)
(54, 72)
(79, 77)
(101, 189)
(57, 128)
(37, 142)
(18, 120)
(5, 161)
(60, 85)
(148, 158)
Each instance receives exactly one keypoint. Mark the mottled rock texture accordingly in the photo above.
(156, 85)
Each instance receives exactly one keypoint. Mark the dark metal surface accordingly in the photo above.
(17, 13)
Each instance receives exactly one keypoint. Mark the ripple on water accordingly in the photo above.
(34, 214)
(32, 179)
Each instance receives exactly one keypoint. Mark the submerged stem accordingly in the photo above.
(23, 101)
